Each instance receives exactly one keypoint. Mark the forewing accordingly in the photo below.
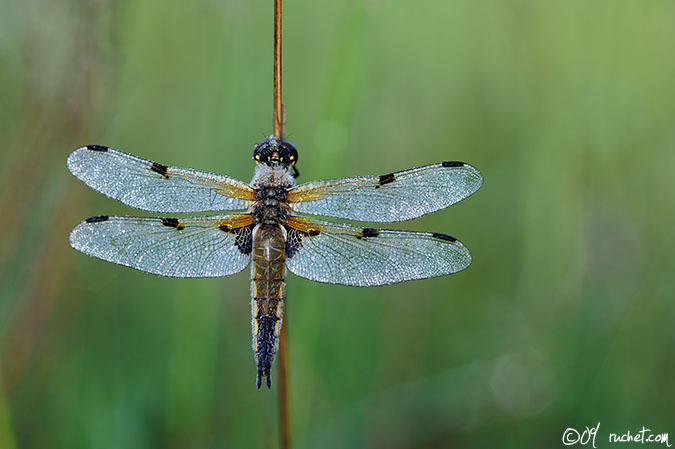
(208, 246)
(349, 255)
(155, 187)
(388, 198)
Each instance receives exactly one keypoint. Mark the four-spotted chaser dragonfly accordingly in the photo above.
(267, 223)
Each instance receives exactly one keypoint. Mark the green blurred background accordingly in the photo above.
(563, 320)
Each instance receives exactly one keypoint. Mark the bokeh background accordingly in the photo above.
(563, 320)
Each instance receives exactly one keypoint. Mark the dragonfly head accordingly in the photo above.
(275, 152)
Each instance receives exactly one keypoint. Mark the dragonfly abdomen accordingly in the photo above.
(268, 291)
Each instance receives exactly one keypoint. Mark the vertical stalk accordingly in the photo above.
(284, 424)
(278, 126)
(277, 121)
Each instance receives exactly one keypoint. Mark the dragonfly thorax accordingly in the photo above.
(271, 176)
(270, 205)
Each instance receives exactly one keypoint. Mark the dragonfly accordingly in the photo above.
(271, 224)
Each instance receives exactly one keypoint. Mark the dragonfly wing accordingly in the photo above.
(388, 198)
(350, 255)
(155, 187)
(208, 246)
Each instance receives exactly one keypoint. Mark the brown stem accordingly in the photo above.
(279, 120)
(278, 130)
(284, 424)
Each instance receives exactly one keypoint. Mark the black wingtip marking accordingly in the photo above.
(97, 148)
(160, 168)
(449, 238)
(369, 232)
(258, 381)
(386, 179)
(97, 219)
(452, 164)
(313, 232)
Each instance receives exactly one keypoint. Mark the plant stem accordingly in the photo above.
(279, 120)
(284, 425)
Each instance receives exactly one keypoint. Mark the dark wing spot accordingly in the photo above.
(243, 240)
(449, 238)
(369, 232)
(97, 219)
(225, 227)
(97, 148)
(293, 242)
(173, 223)
(160, 168)
(452, 164)
(386, 179)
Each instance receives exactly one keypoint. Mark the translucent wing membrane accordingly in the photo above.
(151, 186)
(388, 198)
(349, 255)
(186, 248)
